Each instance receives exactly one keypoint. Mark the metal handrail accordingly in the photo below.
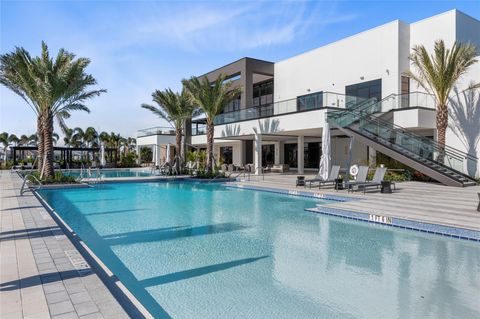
(25, 180)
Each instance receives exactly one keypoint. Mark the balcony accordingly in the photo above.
(158, 130)
(316, 101)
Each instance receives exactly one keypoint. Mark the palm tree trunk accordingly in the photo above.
(210, 132)
(39, 145)
(48, 147)
(178, 147)
(442, 124)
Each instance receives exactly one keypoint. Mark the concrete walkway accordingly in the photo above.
(42, 274)
(424, 202)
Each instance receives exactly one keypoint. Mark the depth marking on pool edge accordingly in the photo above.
(78, 262)
(380, 219)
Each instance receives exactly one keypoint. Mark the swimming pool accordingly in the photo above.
(110, 173)
(191, 250)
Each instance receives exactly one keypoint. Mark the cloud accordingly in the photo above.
(231, 26)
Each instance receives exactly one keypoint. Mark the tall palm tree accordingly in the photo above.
(211, 98)
(53, 88)
(175, 108)
(438, 73)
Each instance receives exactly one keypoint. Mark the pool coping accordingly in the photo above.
(316, 195)
(443, 230)
(122, 294)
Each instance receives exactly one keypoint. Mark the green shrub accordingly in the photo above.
(128, 160)
(146, 154)
(57, 178)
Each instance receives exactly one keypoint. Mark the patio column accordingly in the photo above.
(300, 155)
(277, 153)
(372, 157)
(257, 158)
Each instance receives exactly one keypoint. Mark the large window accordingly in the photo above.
(311, 152)
(233, 105)
(268, 155)
(290, 154)
(364, 90)
(263, 93)
(310, 101)
(226, 152)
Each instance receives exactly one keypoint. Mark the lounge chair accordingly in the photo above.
(330, 180)
(376, 181)
(361, 178)
(300, 181)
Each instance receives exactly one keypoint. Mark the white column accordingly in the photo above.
(257, 156)
(240, 150)
(277, 153)
(300, 155)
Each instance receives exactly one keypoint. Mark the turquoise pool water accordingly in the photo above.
(110, 173)
(206, 251)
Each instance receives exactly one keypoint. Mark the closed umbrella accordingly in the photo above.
(168, 154)
(325, 159)
(103, 162)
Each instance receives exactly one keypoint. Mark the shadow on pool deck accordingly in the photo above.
(196, 272)
(170, 233)
(30, 233)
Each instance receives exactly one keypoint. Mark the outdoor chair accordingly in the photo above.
(376, 181)
(330, 180)
(300, 181)
(361, 178)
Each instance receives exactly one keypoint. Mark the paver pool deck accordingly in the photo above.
(39, 273)
(40, 276)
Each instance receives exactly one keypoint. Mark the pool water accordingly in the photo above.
(191, 250)
(109, 173)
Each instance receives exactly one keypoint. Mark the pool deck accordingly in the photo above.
(416, 201)
(42, 274)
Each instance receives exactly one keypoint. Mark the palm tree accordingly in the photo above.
(53, 88)
(55, 138)
(438, 73)
(176, 108)
(91, 137)
(68, 137)
(4, 140)
(24, 140)
(211, 98)
(13, 139)
(78, 137)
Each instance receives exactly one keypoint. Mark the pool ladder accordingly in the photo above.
(26, 187)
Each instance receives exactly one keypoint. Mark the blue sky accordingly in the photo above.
(137, 47)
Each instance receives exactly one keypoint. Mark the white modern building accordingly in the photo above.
(284, 105)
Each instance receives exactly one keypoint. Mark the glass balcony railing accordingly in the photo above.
(158, 130)
(327, 99)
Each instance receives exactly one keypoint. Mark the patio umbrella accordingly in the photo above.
(325, 159)
(102, 155)
(168, 154)
(156, 154)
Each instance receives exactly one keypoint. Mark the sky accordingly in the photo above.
(137, 47)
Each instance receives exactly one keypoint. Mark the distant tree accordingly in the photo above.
(175, 108)
(146, 155)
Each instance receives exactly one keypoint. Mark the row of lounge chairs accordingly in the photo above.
(360, 183)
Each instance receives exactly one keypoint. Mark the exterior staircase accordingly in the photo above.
(363, 121)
